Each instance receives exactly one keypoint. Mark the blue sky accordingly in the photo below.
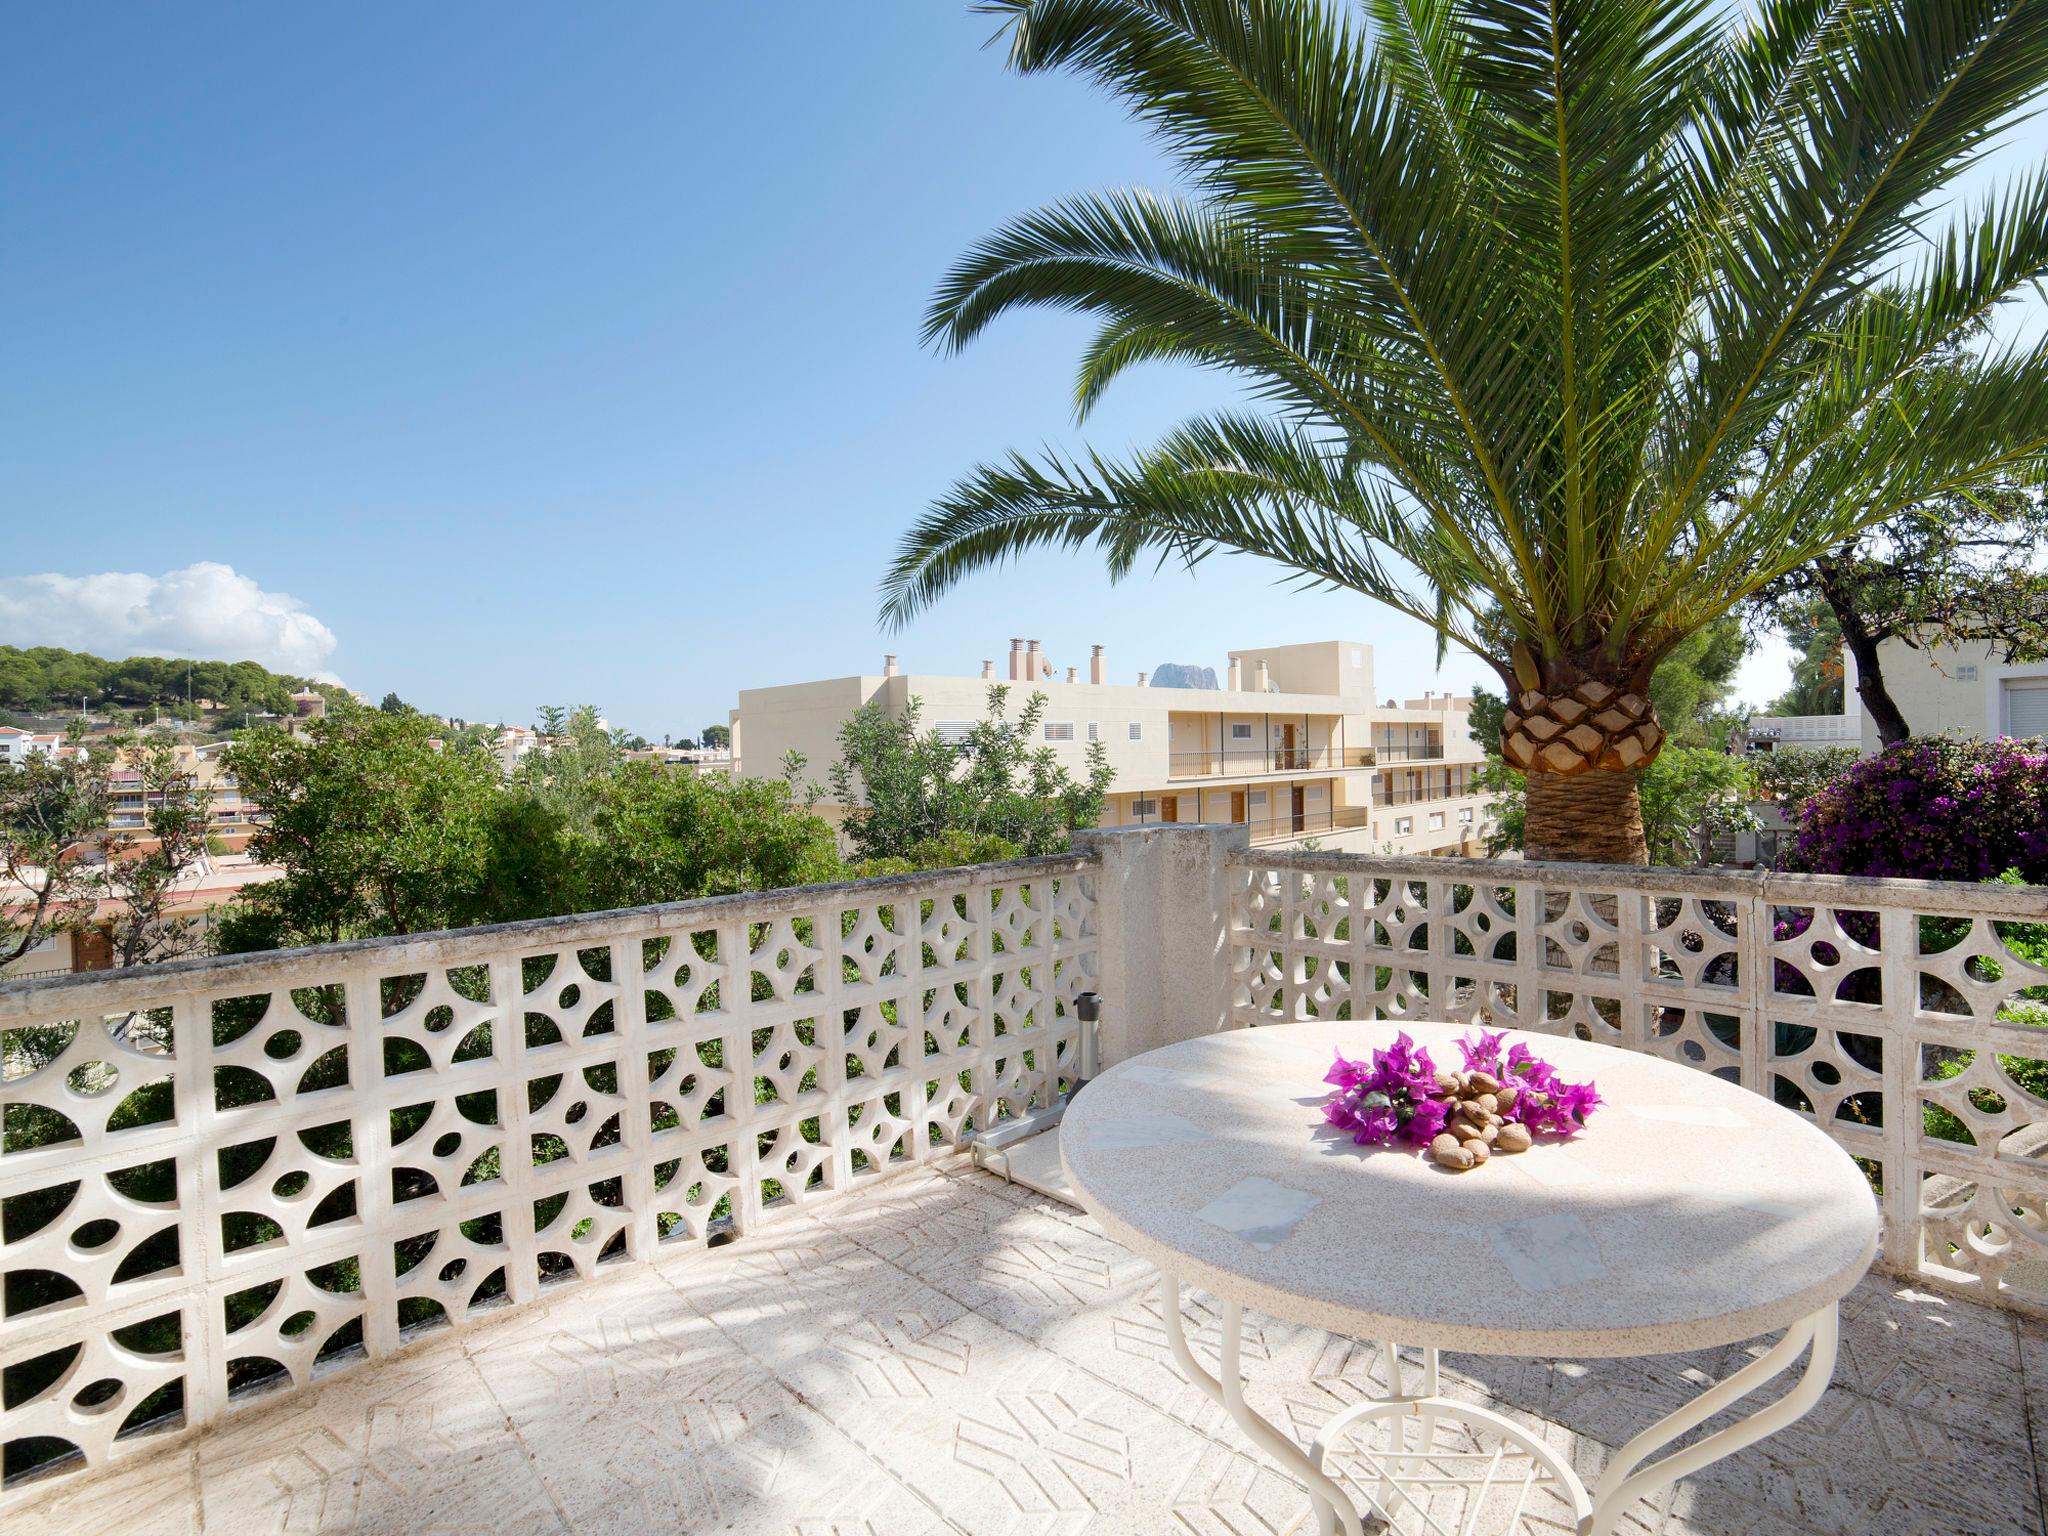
(551, 354)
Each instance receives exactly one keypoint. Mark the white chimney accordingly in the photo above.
(1236, 684)
(1016, 659)
(1142, 678)
(1034, 663)
(1098, 667)
(889, 665)
(1265, 677)
(988, 670)
(1073, 674)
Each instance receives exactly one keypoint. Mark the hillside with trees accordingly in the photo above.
(45, 679)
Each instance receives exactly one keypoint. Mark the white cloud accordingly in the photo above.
(208, 611)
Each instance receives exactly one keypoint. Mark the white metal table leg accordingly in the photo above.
(1403, 1472)
(1627, 1479)
(1332, 1506)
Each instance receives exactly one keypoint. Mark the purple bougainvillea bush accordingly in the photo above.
(1934, 808)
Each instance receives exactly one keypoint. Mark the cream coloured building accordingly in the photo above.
(1295, 744)
(1964, 688)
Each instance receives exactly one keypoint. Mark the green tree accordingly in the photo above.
(716, 736)
(79, 872)
(381, 833)
(377, 832)
(392, 704)
(914, 794)
(1790, 776)
(1691, 685)
(142, 873)
(53, 820)
(1588, 315)
(1817, 670)
(44, 678)
(661, 835)
(1957, 571)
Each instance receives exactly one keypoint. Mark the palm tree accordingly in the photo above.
(1570, 323)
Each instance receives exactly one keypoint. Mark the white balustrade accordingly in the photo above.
(228, 1175)
(225, 1176)
(1893, 1012)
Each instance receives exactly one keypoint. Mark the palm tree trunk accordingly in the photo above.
(1585, 818)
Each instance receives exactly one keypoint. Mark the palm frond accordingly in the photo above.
(1585, 315)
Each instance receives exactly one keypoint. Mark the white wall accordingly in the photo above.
(1935, 692)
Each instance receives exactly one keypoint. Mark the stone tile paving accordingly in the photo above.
(948, 1353)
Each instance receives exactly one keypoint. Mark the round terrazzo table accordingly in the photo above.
(1689, 1213)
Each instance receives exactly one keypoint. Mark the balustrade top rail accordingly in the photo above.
(1899, 1015)
(2016, 903)
(113, 990)
(224, 1174)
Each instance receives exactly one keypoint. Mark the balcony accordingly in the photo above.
(733, 1269)
(1252, 761)
(1417, 752)
(1403, 794)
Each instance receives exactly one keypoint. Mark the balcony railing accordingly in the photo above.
(224, 1175)
(1406, 752)
(1280, 826)
(1403, 794)
(1213, 764)
(1893, 1013)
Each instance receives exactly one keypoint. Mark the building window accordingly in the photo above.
(1137, 731)
(953, 731)
(1436, 821)
(1059, 730)
(1403, 825)
(1094, 731)
(2026, 709)
(1144, 807)
(1465, 817)
(1967, 673)
(1241, 732)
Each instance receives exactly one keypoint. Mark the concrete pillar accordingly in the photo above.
(1034, 663)
(1098, 667)
(1016, 659)
(1162, 912)
(889, 665)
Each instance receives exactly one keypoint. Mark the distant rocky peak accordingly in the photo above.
(1175, 674)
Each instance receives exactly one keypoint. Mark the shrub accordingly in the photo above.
(1935, 808)
(1791, 776)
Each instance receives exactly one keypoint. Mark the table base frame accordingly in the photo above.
(1405, 1476)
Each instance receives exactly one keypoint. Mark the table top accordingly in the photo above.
(1688, 1212)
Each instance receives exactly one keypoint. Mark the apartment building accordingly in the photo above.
(1294, 744)
(231, 816)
